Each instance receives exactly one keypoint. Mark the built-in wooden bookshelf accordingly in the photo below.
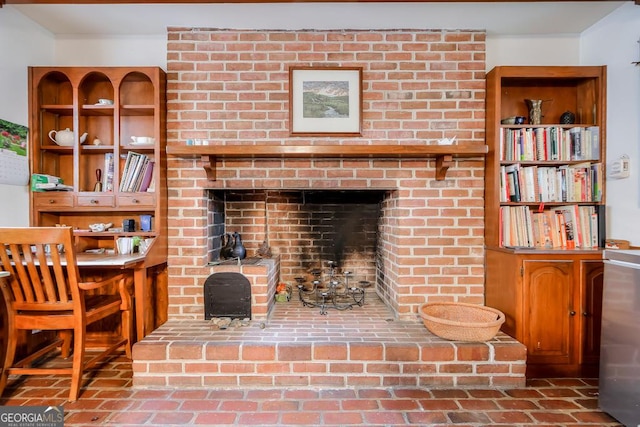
(545, 212)
(112, 114)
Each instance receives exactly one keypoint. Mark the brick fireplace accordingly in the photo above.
(230, 87)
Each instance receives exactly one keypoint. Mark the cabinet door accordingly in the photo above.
(592, 275)
(550, 314)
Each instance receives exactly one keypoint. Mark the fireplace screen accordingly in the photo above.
(227, 295)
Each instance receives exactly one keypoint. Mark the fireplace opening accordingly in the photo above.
(306, 228)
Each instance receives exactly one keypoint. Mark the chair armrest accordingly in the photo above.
(85, 286)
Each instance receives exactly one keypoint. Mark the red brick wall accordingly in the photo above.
(231, 87)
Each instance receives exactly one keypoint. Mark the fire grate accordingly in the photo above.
(338, 294)
(227, 295)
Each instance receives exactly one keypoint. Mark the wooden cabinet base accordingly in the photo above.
(552, 302)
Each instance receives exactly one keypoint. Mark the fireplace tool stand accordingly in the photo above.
(336, 295)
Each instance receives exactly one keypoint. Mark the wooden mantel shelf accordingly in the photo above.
(442, 153)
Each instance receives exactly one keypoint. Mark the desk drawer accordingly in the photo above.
(53, 200)
(96, 200)
(137, 200)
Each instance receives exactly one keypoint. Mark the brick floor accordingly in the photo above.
(108, 399)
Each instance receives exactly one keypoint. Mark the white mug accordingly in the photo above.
(125, 245)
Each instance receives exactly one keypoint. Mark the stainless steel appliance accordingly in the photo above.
(620, 345)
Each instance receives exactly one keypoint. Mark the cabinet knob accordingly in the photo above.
(572, 313)
(585, 314)
(51, 201)
(94, 202)
(136, 201)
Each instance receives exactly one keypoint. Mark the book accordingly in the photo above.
(513, 182)
(133, 171)
(571, 219)
(136, 173)
(593, 228)
(589, 224)
(594, 131)
(125, 170)
(576, 137)
(52, 186)
(107, 178)
(530, 187)
(552, 234)
(602, 225)
(148, 174)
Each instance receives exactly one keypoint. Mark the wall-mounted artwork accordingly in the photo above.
(325, 101)
(14, 167)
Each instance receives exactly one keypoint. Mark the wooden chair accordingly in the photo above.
(54, 299)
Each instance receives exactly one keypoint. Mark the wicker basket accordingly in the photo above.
(458, 321)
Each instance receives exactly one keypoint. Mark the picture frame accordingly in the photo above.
(325, 101)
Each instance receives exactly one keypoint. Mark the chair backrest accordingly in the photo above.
(42, 266)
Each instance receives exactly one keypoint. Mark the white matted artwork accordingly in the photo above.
(325, 101)
(14, 166)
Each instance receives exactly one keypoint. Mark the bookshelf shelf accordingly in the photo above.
(544, 213)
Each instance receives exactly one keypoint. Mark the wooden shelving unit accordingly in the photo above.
(68, 97)
(551, 296)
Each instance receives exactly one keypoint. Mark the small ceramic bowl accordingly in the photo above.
(513, 120)
(98, 227)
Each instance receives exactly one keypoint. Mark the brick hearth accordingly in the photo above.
(297, 347)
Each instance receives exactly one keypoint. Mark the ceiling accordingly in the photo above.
(497, 18)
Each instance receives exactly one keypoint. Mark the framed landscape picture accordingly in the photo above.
(325, 101)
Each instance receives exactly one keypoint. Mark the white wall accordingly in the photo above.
(23, 43)
(614, 41)
(532, 50)
(112, 51)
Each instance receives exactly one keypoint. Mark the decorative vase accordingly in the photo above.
(535, 110)
(238, 250)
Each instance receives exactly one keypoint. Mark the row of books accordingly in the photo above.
(553, 143)
(137, 173)
(579, 182)
(566, 227)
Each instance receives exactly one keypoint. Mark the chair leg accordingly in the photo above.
(12, 343)
(78, 363)
(66, 343)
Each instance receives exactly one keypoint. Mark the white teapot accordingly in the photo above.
(65, 137)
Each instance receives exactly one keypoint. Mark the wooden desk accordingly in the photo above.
(133, 262)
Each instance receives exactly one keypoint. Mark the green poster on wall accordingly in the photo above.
(14, 167)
